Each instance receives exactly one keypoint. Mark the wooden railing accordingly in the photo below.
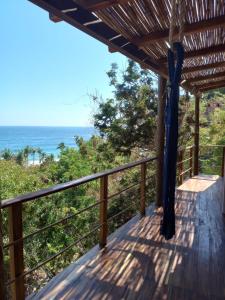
(16, 238)
(213, 155)
(184, 164)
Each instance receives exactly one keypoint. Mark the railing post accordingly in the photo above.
(223, 162)
(103, 211)
(2, 294)
(180, 177)
(191, 161)
(196, 136)
(223, 208)
(16, 251)
(143, 188)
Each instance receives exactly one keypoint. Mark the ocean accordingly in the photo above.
(47, 138)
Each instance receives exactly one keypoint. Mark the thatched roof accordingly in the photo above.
(139, 29)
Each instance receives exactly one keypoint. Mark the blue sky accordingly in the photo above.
(48, 69)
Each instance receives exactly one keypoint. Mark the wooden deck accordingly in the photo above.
(139, 264)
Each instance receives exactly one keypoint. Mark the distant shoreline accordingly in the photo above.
(51, 126)
(47, 138)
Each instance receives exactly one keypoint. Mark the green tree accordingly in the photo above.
(128, 120)
(20, 157)
(27, 151)
(61, 146)
(33, 151)
(7, 154)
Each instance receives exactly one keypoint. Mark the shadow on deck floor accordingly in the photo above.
(139, 264)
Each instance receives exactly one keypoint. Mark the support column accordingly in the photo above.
(196, 136)
(160, 139)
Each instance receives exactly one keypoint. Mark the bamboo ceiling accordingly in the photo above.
(139, 30)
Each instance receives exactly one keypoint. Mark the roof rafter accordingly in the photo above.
(206, 77)
(200, 26)
(199, 52)
(148, 62)
(219, 83)
(211, 87)
(203, 67)
(94, 5)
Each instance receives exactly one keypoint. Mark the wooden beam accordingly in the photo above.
(54, 18)
(209, 84)
(199, 52)
(196, 136)
(189, 29)
(149, 62)
(160, 139)
(94, 5)
(203, 67)
(206, 77)
(212, 87)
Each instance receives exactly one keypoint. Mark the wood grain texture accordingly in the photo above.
(139, 264)
(16, 258)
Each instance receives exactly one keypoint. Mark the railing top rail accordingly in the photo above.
(185, 148)
(70, 184)
(212, 145)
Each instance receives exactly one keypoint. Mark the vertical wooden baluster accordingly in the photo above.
(223, 162)
(181, 154)
(103, 211)
(143, 188)
(182, 166)
(191, 162)
(2, 294)
(16, 251)
(223, 208)
(196, 136)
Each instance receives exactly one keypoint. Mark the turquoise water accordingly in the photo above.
(47, 138)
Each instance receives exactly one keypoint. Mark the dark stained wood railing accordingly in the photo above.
(185, 160)
(212, 153)
(15, 221)
(206, 152)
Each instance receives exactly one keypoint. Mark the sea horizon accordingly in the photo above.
(47, 138)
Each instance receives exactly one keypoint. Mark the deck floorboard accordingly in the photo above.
(139, 264)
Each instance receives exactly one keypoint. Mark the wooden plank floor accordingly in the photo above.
(139, 264)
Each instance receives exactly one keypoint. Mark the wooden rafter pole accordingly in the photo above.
(196, 136)
(198, 53)
(203, 67)
(189, 29)
(94, 5)
(160, 139)
(206, 77)
(212, 86)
